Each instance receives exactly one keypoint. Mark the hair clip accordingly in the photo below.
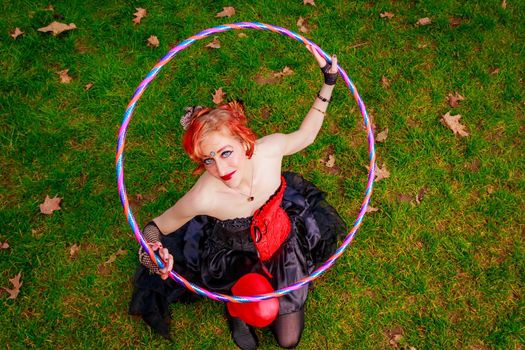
(186, 119)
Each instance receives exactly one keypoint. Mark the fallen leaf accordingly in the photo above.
(385, 82)
(215, 44)
(50, 205)
(64, 77)
(73, 251)
(453, 100)
(423, 21)
(242, 35)
(474, 166)
(4, 245)
(266, 112)
(494, 71)
(421, 45)
(382, 173)
(162, 189)
(303, 25)
(218, 96)
(284, 73)
(226, 12)
(113, 257)
(103, 269)
(490, 189)
(421, 194)
(371, 209)
(309, 2)
(504, 4)
(452, 122)
(330, 162)
(455, 21)
(153, 41)
(381, 137)
(274, 77)
(386, 15)
(404, 198)
(394, 336)
(139, 15)
(16, 33)
(49, 8)
(13, 293)
(56, 28)
(88, 86)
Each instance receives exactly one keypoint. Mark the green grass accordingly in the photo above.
(446, 273)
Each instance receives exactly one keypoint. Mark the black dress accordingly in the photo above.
(215, 253)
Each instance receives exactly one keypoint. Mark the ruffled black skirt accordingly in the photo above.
(214, 254)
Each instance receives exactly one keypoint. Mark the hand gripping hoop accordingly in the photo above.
(120, 162)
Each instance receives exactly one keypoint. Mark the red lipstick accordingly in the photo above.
(228, 176)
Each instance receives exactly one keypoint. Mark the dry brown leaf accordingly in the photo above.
(382, 173)
(423, 21)
(504, 4)
(218, 96)
(494, 71)
(226, 12)
(50, 205)
(153, 41)
(64, 77)
(404, 198)
(16, 33)
(4, 245)
(113, 257)
(421, 45)
(13, 293)
(309, 2)
(139, 15)
(455, 21)
(49, 8)
(242, 35)
(331, 161)
(303, 25)
(385, 82)
(421, 194)
(394, 336)
(381, 137)
(215, 44)
(73, 251)
(371, 209)
(88, 86)
(284, 73)
(453, 100)
(56, 28)
(452, 122)
(386, 15)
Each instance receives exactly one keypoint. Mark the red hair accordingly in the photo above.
(228, 117)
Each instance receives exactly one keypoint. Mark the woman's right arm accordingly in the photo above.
(171, 220)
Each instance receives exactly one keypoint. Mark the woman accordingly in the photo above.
(241, 216)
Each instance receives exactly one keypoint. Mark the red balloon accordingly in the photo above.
(257, 314)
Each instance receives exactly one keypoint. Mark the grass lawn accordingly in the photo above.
(439, 265)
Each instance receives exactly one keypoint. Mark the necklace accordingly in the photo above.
(249, 197)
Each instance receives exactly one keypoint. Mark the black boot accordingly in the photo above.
(243, 335)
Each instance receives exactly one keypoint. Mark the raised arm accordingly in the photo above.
(307, 132)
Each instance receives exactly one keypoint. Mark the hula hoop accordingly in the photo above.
(120, 164)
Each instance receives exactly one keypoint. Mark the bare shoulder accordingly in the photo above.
(271, 145)
(194, 202)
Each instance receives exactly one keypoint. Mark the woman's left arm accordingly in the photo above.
(307, 132)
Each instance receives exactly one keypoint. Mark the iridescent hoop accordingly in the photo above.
(120, 163)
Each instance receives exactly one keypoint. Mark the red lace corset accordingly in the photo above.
(270, 225)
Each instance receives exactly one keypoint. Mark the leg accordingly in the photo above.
(287, 329)
(243, 335)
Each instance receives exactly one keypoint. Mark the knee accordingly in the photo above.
(289, 343)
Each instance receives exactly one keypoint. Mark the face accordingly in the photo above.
(225, 157)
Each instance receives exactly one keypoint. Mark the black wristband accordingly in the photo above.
(323, 98)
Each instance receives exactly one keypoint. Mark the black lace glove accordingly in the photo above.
(152, 235)
(329, 78)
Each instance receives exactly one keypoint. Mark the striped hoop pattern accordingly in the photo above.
(120, 163)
